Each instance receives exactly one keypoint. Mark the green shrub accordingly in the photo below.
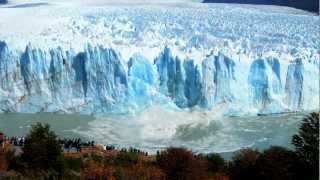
(306, 144)
(73, 163)
(216, 163)
(96, 157)
(126, 158)
(42, 151)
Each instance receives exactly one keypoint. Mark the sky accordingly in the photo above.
(309, 5)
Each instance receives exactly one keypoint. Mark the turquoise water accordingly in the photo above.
(157, 129)
(17, 124)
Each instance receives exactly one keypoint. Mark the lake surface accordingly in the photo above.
(156, 129)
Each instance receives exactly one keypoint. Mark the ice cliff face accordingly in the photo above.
(99, 80)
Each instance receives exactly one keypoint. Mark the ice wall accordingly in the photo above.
(98, 80)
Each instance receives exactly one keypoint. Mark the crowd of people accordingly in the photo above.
(69, 145)
(16, 141)
(75, 144)
(134, 150)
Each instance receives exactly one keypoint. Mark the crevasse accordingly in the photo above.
(98, 80)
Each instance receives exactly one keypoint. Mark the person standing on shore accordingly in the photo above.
(2, 139)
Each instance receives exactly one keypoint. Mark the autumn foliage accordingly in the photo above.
(181, 164)
(95, 170)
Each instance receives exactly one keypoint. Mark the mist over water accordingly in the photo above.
(201, 131)
(157, 128)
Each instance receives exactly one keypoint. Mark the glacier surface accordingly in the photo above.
(110, 59)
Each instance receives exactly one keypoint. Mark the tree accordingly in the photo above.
(306, 143)
(42, 151)
(243, 165)
(278, 163)
(216, 163)
(181, 164)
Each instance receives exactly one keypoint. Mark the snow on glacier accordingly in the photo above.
(121, 59)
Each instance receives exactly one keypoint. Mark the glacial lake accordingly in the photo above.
(157, 129)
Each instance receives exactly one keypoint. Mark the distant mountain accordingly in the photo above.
(309, 5)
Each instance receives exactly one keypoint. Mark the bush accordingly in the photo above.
(73, 163)
(143, 171)
(179, 163)
(96, 157)
(306, 143)
(42, 151)
(278, 163)
(13, 161)
(119, 173)
(126, 159)
(243, 165)
(85, 155)
(95, 170)
(216, 163)
(10, 175)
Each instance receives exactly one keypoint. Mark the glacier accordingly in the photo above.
(98, 80)
(119, 58)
